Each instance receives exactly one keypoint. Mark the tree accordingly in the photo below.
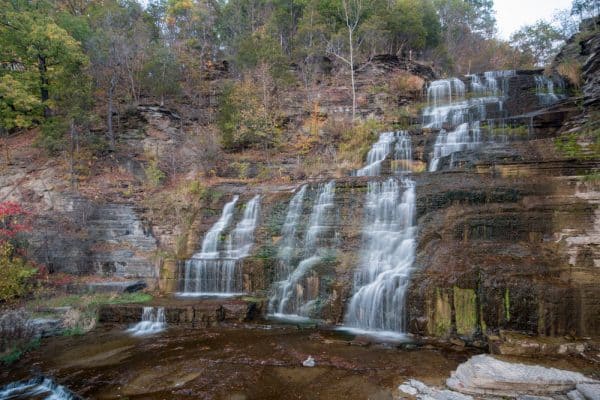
(243, 119)
(46, 56)
(585, 8)
(542, 40)
(161, 73)
(352, 14)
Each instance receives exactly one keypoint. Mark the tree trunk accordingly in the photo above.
(44, 94)
(72, 155)
(109, 117)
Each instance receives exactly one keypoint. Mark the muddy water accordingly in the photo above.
(231, 363)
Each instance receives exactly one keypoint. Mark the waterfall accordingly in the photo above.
(544, 89)
(387, 255)
(289, 232)
(458, 116)
(37, 388)
(388, 244)
(214, 272)
(295, 294)
(398, 142)
(153, 321)
(210, 243)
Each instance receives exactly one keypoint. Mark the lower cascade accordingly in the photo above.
(217, 272)
(388, 252)
(37, 388)
(153, 321)
(293, 295)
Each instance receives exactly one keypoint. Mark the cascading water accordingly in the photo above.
(545, 90)
(291, 297)
(381, 281)
(387, 142)
(289, 230)
(216, 273)
(153, 321)
(458, 117)
(37, 388)
(388, 249)
(457, 110)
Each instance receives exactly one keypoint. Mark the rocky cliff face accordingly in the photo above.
(508, 233)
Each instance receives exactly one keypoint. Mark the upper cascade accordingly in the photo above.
(468, 111)
(216, 272)
(397, 144)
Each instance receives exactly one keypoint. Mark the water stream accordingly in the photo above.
(153, 321)
(293, 295)
(214, 272)
(388, 249)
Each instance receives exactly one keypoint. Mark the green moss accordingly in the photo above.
(442, 320)
(16, 353)
(465, 306)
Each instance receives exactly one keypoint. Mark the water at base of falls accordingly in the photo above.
(295, 294)
(214, 272)
(38, 388)
(388, 251)
(153, 321)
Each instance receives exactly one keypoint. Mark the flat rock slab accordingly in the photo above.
(486, 375)
(421, 391)
(589, 391)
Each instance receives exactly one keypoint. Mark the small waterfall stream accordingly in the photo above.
(37, 388)
(216, 273)
(387, 252)
(153, 321)
(291, 299)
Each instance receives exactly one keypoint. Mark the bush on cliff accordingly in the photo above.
(15, 271)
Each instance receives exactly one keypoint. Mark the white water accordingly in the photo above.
(457, 112)
(289, 241)
(458, 117)
(381, 280)
(35, 388)
(293, 297)
(153, 321)
(387, 252)
(217, 273)
(545, 90)
(380, 151)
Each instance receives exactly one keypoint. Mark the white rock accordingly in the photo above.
(309, 362)
(421, 391)
(589, 391)
(485, 375)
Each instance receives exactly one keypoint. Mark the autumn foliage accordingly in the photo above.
(16, 271)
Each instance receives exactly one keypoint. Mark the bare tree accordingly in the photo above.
(352, 14)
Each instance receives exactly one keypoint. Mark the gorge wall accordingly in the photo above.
(508, 231)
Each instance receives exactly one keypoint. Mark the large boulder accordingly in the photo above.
(488, 376)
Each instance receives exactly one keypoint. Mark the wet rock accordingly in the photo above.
(485, 375)
(421, 391)
(108, 287)
(46, 327)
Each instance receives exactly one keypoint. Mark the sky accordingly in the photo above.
(513, 14)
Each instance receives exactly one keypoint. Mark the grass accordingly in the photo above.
(89, 300)
(18, 352)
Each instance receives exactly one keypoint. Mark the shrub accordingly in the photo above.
(245, 120)
(15, 271)
(154, 174)
(570, 69)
